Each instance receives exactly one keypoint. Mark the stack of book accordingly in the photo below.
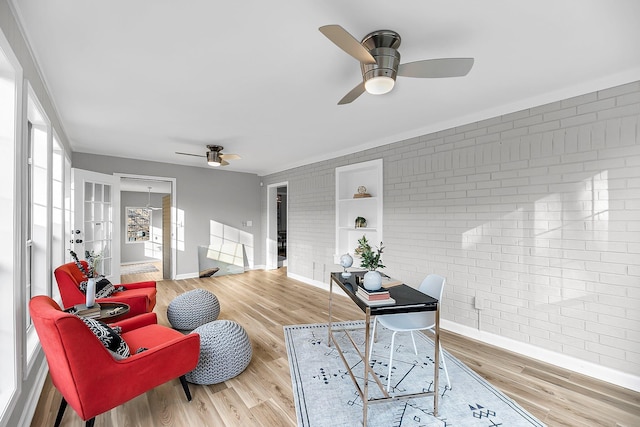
(377, 297)
(84, 311)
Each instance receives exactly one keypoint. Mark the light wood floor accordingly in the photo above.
(263, 302)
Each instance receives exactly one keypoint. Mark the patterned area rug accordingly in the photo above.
(137, 268)
(326, 396)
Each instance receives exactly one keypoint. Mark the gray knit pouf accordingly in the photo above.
(225, 351)
(192, 309)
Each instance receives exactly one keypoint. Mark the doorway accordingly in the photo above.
(277, 220)
(281, 219)
(148, 246)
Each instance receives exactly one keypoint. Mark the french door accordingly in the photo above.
(96, 219)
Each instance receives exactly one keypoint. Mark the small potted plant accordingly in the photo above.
(370, 259)
(361, 222)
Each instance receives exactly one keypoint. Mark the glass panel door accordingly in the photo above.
(95, 222)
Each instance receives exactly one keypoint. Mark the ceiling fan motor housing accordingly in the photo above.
(382, 45)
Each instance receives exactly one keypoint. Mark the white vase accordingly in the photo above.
(372, 280)
(91, 292)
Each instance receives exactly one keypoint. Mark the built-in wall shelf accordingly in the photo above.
(363, 229)
(348, 207)
(360, 200)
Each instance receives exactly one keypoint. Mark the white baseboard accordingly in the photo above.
(144, 261)
(571, 363)
(31, 402)
(187, 276)
(316, 283)
(196, 275)
(590, 369)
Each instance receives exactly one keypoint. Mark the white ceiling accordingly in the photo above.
(144, 79)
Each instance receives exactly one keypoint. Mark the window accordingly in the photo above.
(58, 221)
(138, 224)
(34, 216)
(10, 94)
(37, 263)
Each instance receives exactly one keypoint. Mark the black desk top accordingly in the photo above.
(408, 299)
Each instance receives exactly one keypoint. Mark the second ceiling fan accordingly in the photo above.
(214, 156)
(380, 61)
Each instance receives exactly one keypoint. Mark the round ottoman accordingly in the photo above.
(192, 309)
(225, 351)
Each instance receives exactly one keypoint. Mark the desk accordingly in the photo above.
(408, 300)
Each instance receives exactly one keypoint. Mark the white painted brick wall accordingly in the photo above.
(537, 212)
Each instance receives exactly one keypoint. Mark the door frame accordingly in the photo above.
(174, 204)
(271, 241)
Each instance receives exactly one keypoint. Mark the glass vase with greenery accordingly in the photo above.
(369, 258)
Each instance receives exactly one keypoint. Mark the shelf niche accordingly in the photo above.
(349, 207)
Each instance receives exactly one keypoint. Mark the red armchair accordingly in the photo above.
(88, 376)
(140, 296)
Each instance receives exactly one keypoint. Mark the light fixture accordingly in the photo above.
(213, 159)
(379, 85)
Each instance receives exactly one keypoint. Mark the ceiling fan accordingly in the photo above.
(380, 61)
(149, 203)
(214, 156)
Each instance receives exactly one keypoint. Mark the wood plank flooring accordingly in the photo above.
(264, 301)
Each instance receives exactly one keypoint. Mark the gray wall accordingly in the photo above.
(135, 252)
(203, 195)
(535, 213)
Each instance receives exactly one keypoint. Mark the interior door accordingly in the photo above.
(96, 219)
(167, 238)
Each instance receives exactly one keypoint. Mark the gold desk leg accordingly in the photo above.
(367, 349)
(330, 297)
(436, 373)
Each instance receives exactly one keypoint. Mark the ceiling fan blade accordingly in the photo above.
(189, 154)
(347, 42)
(223, 162)
(435, 68)
(230, 156)
(353, 94)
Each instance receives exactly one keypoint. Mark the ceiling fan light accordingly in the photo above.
(213, 159)
(379, 85)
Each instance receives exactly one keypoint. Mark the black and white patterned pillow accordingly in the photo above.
(109, 338)
(104, 288)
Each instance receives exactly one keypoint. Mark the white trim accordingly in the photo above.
(13, 306)
(36, 64)
(187, 276)
(144, 261)
(317, 284)
(34, 108)
(174, 209)
(595, 85)
(584, 367)
(29, 409)
(271, 241)
(197, 275)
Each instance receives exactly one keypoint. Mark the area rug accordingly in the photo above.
(137, 268)
(326, 396)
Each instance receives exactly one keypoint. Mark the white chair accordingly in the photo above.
(432, 285)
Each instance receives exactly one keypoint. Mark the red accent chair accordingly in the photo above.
(89, 378)
(140, 296)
